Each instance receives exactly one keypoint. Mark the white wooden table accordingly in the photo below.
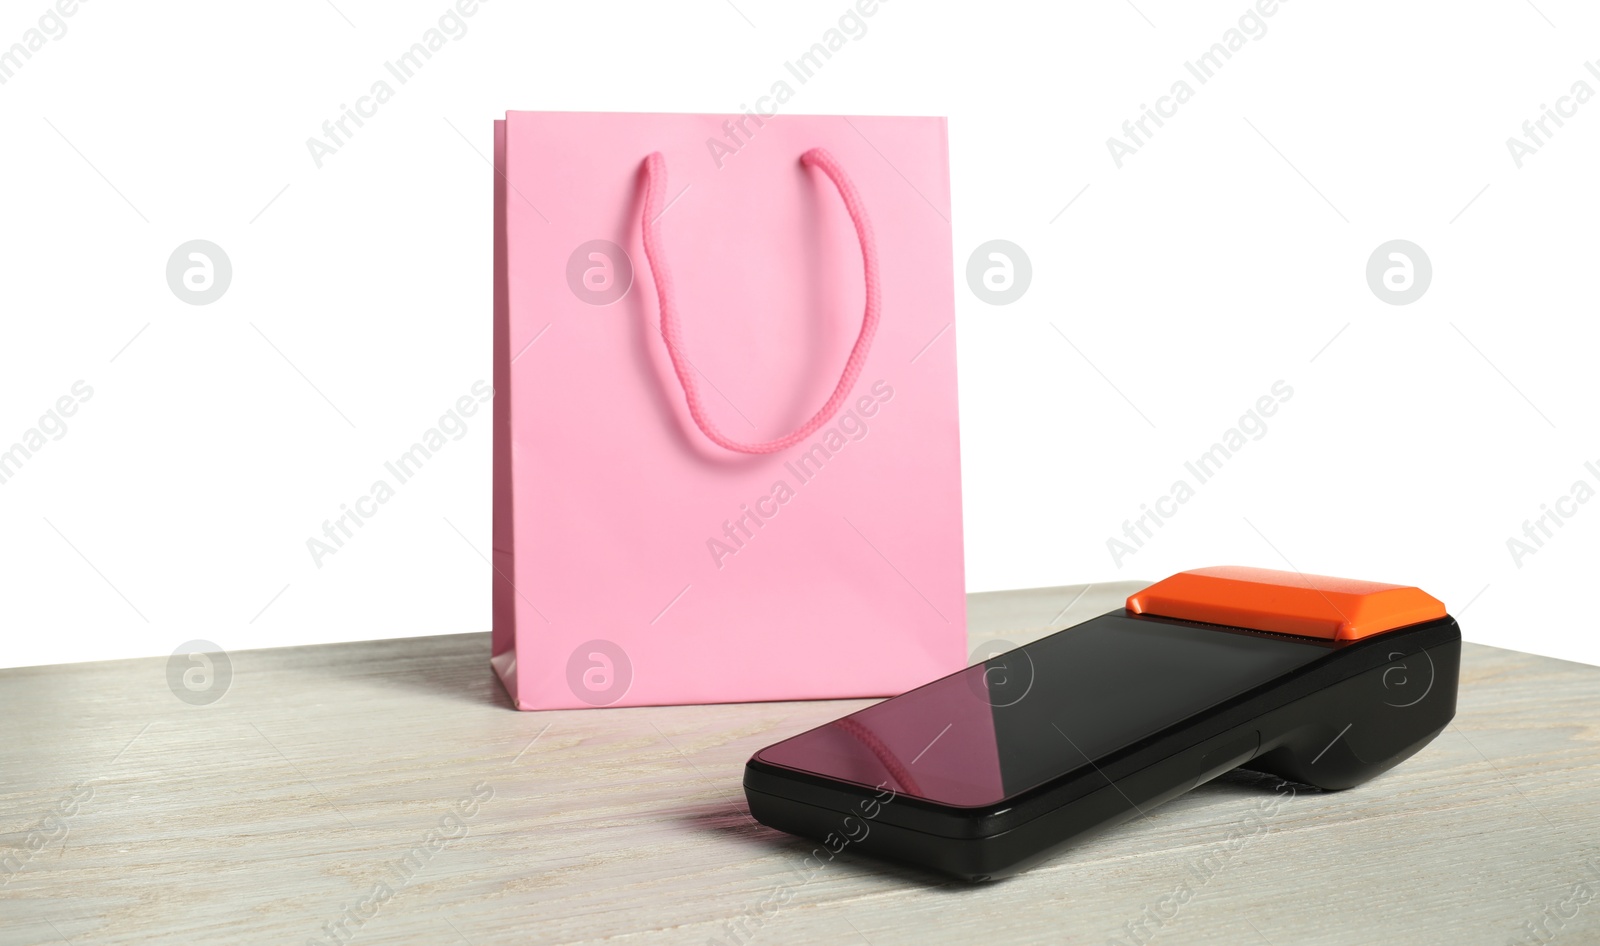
(282, 807)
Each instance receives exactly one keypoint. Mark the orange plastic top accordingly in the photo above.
(1260, 599)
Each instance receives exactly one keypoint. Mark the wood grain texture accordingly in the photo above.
(263, 816)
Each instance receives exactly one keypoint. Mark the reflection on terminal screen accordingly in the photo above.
(1001, 727)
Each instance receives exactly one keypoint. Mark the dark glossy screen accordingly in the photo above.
(1003, 726)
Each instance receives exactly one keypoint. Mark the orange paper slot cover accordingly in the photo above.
(1260, 599)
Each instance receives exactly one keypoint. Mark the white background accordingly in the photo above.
(1227, 254)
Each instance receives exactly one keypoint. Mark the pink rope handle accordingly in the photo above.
(655, 192)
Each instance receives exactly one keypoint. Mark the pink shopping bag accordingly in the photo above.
(726, 456)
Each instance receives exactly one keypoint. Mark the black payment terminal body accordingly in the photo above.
(983, 773)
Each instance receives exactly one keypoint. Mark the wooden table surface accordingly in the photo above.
(327, 773)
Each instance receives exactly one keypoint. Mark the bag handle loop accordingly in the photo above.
(672, 333)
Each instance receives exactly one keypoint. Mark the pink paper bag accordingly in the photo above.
(726, 457)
